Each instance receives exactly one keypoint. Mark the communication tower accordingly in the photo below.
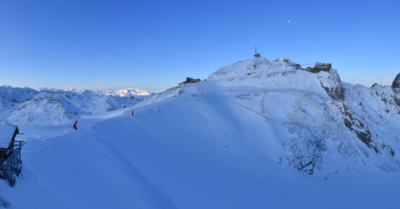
(256, 54)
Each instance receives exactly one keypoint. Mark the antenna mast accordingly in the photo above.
(256, 54)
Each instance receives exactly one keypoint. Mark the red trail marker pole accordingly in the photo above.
(75, 125)
(132, 113)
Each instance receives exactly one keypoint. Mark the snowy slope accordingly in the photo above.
(254, 66)
(196, 150)
(161, 96)
(316, 120)
(29, 107)
(239, 143)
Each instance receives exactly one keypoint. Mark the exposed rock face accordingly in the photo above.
(332, 85)
(396, 101)
(355, 125)
(375, 85)
(335, 93)
(396, 82)
(306, 116)
(305, 155)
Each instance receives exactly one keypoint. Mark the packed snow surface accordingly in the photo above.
(236, 140)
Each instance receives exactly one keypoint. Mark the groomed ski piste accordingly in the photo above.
(234, 141)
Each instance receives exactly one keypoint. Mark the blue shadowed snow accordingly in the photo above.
(172, 154)
(246, 141)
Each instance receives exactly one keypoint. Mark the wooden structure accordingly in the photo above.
(10, 154)
(257, 54)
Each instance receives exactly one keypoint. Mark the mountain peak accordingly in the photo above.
(254, 66)
(396, 82)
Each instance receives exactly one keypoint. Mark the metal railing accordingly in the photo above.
(11, 162)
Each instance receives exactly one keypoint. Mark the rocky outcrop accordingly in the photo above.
(332, 85)
(396, 82)
(375, 85)
(334, 93)
(355, 125)
(329, 79)
(322, 123)
(305, 153)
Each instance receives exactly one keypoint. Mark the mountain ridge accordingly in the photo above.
(318, 114)
(29, 107)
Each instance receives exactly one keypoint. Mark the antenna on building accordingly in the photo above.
(256, 54)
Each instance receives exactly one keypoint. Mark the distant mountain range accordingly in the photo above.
(29, 107)
(122, 92)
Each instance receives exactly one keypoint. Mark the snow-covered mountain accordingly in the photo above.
(246, 138)
(30, 107)
(131, 92)
(315, 121)
(122, 93)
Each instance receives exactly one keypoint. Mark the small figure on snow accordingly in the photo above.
(75, 125)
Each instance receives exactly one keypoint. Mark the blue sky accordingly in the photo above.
(154, 45)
